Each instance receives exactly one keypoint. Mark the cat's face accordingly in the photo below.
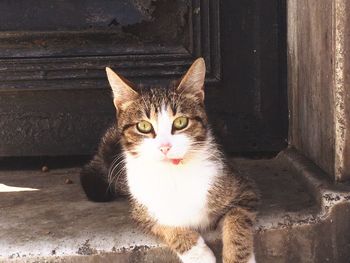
(158, 124)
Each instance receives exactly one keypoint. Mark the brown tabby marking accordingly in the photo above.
(147, 105)
(178, 239)
(231, 200)
(237, 235)
(231, 191)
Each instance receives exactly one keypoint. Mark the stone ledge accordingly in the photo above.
(302, 217)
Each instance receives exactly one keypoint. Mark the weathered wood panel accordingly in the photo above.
(52, 64)
(54, 122)
(254, 75)
(73, 40)
(317, 83)
(47, 59)
(89, 27)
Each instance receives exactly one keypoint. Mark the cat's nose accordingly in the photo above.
(165, 148)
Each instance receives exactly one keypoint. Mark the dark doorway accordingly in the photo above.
(54, 98)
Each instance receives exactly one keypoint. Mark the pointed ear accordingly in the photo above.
(193, 81)
(122, 92)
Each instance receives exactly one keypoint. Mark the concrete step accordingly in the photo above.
(302, 218)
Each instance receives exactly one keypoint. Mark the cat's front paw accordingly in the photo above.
(200, 253)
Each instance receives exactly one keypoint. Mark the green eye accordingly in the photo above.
(144, 127)
(180, 123)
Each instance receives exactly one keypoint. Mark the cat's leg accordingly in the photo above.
(186, 243)
(237, 236)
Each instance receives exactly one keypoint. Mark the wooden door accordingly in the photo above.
(54, 97)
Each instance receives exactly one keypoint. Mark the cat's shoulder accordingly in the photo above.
(231, 188)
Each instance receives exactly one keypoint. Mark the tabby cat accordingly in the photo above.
(162, 154)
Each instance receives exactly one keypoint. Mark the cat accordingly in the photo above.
(162, 154)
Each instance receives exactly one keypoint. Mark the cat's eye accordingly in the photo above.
(144, 127)
(180, 123)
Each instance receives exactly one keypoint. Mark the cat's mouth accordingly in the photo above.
(175, 161)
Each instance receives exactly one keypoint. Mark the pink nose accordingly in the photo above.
(165, 148)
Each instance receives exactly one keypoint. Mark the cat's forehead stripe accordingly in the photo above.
(152, 100)
(157, 97)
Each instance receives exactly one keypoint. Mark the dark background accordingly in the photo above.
(54, 97)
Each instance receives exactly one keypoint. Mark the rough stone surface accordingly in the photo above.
(310, 80)
(302, 217)
(342, 91)
(318, 80)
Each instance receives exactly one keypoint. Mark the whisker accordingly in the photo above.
(116, 177)
(110, 174)
(112, 177)
(111, 167)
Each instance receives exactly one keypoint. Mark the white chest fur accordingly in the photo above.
(175, 195)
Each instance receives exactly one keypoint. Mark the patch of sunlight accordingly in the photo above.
(7, 189)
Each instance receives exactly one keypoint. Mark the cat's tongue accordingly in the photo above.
(176, 161)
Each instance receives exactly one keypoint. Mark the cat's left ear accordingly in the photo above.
(193, 81)
(123, 94)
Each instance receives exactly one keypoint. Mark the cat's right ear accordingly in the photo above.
(123, 94)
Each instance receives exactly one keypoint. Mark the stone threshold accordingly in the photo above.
(302, 218)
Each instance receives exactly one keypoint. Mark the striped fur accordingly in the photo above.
(177, 194)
